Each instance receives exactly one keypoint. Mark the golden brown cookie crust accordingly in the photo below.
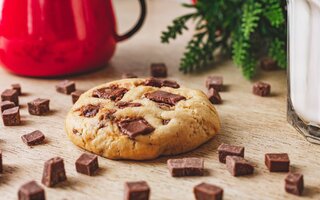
(192, 122)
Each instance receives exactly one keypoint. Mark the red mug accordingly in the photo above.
(44, 38)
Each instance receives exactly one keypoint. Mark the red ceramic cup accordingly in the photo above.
(45, 38)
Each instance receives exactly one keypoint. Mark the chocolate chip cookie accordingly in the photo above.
(141, 119)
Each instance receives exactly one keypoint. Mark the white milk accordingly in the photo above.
(304, 31)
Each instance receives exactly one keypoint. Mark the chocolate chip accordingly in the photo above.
(17, 88)
(114, 94)
(135, 127)
(154, 82)
(6, 105)
(10, 95)
(294, 183)
(129, 75)
(1, 165)
(165, 121)
(76, 95)
(261, 89)
(164, 106)
(109, 114)
(87, 164)
(225, 150)
(89, 110)
(33, 138)
(136, 190)
(39, 107)
(169, 83)
(268, 64)
(31, 191)
(53, 172)
(158, 70)
(11, 117)
(214, 96)
(205, 191)
(238, 166)
(123, 104)
(186, 167)
(165, 97)
(66, 87)
(215, 82)
(277, 162)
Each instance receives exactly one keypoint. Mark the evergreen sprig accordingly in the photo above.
(246, 30)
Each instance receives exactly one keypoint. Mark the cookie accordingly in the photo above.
(141, 119)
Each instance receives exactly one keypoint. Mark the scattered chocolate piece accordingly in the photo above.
(238, 166)
(31, 191)
(165, 97)
(17, 87)
(39, 107)
(158, 70)
(6, 105)
(1, 165)
(136, 190)
(225, 150)
(169, 83)
(114, 94)
(89, 110)
(10, 95)
(154, 82)
(124, 104)
(135, 127)
(53, 172)
(129, 75)
(205, 191)
(214, 96)
(11, 117)
(66, 87)
(277, 162)
(294, 183)
(268, 64)
(87, 164)
(164, 106)
(261, 89)
(215, 82)
(186, 167)
(33, 138)
(76, 95)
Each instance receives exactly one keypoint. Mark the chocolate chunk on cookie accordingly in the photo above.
(165, 97)
(154, 82)
(135, 127)
(112, 93)
(124, 104)
(89, 110)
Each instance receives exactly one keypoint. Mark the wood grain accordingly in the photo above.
(257, 123)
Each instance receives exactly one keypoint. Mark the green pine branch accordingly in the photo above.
(248, 30)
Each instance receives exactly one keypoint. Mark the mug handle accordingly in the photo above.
(138, 25)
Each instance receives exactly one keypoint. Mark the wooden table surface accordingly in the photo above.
(257, 123)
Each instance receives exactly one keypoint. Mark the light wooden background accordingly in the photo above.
(257, 123)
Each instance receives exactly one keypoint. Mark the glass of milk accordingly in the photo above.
(304, 67)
